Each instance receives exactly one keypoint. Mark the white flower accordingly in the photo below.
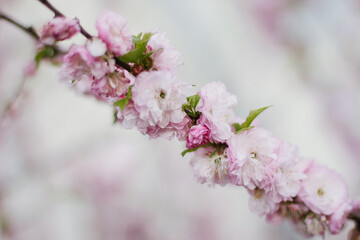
(158, 97)
(324, 190)
(210, 167)
(165, 56)
(216, 110)
(261, 203)
(251, 154)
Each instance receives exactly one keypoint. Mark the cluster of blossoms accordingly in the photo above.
(136, 74)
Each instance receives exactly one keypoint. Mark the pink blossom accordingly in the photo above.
(261, 203)
(216, 110)
(129, 118)
(275, 218)
(165, 56)
(178, 130)
(96, 47)
(209, 166)
(59, 29)
(198, 135)
(77, 68)
(114, 85)
(324, 190)
(158, 97)
(315, 224)
(288, 171)
(114, 31)
(339, 217)
(251, 153)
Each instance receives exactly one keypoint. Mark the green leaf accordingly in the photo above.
(123, 102)
(183, 153)
(193, 101)
(244, 129)
(132, 56)
(137, 55)
(47, 51)
(252, 115)
(137, 38)
(115, 117)
(237, 127)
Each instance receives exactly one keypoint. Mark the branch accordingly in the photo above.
(29, 30)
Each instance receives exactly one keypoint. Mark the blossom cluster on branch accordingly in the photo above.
(137, 75)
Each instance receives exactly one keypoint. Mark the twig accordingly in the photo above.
(28, 30)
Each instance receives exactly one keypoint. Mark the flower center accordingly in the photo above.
(320, 192)
(258, 193)
(253, 154)
(162, 94)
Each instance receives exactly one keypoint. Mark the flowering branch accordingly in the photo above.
(82, 30)
(136, 75)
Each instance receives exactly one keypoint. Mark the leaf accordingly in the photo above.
(115, 117)
(252, 115)
(243, 129)
(47, 51)
(183, 153)
(123, 102)
(193, 101)
(137, 55)
(137, 38)
(237, 127)
(132, 56)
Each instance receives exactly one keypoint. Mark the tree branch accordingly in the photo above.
(29, 30)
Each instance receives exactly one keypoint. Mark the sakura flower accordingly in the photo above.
(165, 56)
(198, 135)
(158, 97)
(114, 85)
(261, 203)
(288, 171)
(209, 166)
(324, 190)
(178, 130)
(275, 218)
(59, 29)
(114, 31)
(129, 118)
(315, 224)
(216, 110)
(77, 68)
(96, 47)
(251, 153)
(339, 217)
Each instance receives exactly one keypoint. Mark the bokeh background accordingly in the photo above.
(68, 173)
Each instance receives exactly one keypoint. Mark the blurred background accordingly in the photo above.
(68, 173)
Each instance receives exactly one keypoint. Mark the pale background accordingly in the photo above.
(66, 172)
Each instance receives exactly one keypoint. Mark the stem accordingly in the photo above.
(28, 30)
(122, 64)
